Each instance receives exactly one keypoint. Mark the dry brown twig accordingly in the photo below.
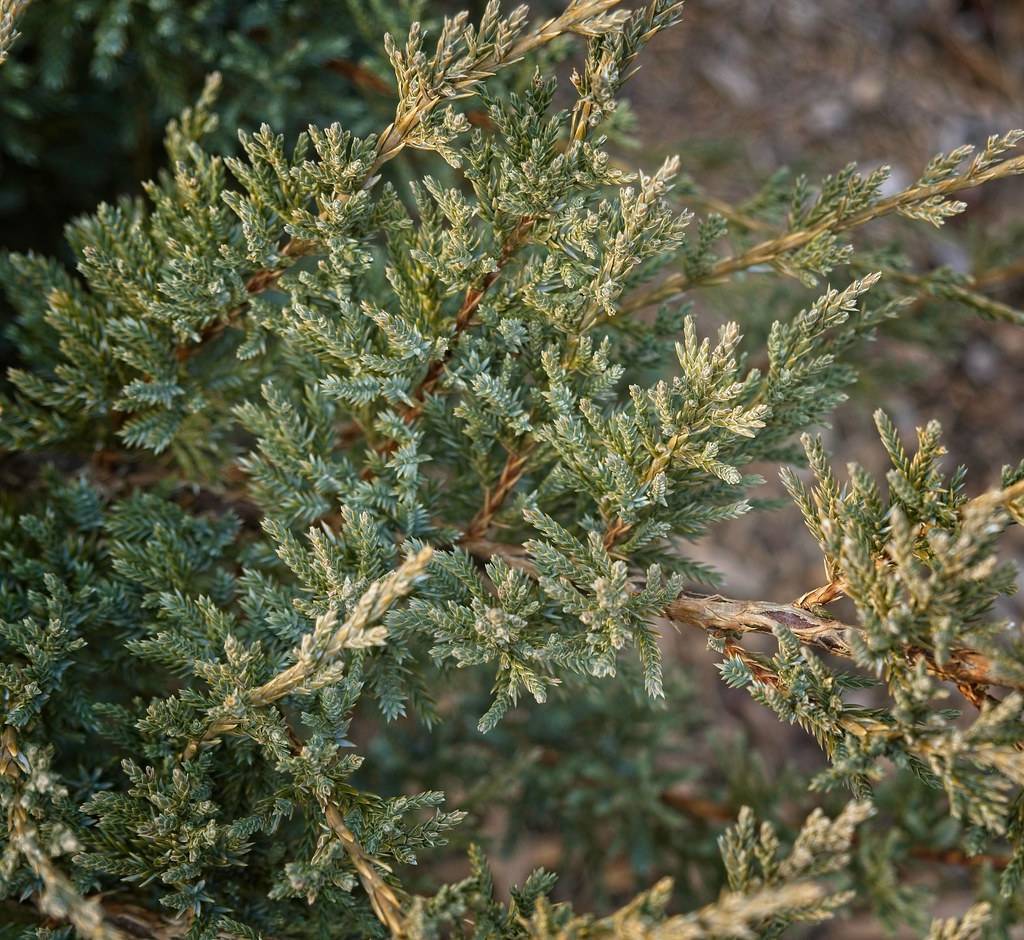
(495, 496)
(727, 616)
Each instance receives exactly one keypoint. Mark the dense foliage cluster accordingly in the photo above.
(357, 465)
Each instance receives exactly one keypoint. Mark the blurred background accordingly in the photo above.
(740, 89)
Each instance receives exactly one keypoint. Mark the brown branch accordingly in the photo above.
(474, 296)
(728, 210)
(820, 596)
(143, 924)
(262, 280)
(464, 318)
(958, 857)
(985, 68)
(360, 76)
(680, 797)
(494, 498)
(969, 670)
(1000, 275)
(618, 528)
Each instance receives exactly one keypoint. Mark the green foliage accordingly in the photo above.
(344, 482)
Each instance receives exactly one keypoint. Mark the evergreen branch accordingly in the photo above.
(770, 251)
(605, 73)
(609, 63)
(10, 10)
(453, 78)
(614, 266)
(967, 290)
(710, 812)
(996, 499)
(852, 721)
(59, 899)
(618, 528)
(459, 78)
(257, 283)
(473, 337)
(836, 588)
(807, 696)
(355, 632)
